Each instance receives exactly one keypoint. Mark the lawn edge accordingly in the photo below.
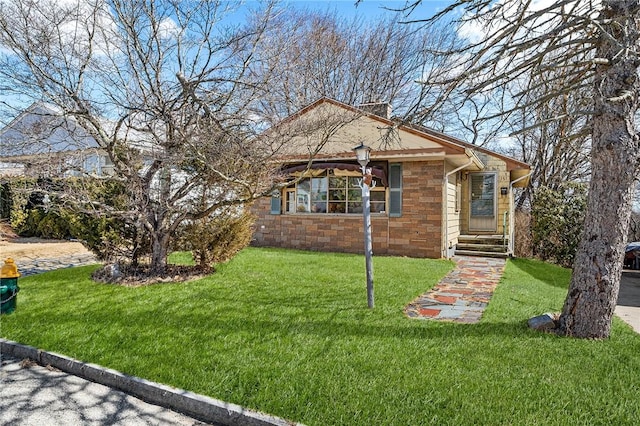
(198, 406)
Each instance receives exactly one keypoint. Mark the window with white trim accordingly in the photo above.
(333, 191)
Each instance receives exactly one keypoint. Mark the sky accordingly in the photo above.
(368, 9)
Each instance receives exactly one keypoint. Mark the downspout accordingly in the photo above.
(512, 219)
(445, 191)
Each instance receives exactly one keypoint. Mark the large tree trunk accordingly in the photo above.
(593, 291)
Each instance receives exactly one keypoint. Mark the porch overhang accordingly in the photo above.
(455, 157)
(468, 160)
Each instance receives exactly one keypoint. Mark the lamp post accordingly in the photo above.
(362, 154)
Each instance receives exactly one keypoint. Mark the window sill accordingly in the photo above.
(358, 215)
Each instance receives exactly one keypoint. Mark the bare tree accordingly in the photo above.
(165, 89)
(353, 61)
(551, 139)
(593, 46)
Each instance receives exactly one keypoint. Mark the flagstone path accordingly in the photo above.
(463, 294)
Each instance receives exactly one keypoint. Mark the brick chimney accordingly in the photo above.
(381, 109)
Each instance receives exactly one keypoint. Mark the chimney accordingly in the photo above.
(381, 109)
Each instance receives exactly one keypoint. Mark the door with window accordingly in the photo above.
(482, 198)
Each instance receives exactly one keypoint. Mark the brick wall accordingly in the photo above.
(417, 233)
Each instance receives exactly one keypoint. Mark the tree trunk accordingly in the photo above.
(159, 216)
(593, 291)
(159, 252)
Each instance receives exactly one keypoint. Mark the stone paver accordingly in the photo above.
(28, 266)
(463, 294)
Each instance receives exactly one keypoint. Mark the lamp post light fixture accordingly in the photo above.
(362, 154)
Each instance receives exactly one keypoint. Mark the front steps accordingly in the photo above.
(482, 245)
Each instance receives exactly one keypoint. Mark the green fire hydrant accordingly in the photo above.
(9, 286)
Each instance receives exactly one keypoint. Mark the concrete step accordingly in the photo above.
(501, 255)
(481, 239)
(482, 247)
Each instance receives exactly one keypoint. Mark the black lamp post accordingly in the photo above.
(363, 153)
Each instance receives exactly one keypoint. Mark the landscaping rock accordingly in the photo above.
(544, 322)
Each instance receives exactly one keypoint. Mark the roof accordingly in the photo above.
(360, 126)
(41, 129)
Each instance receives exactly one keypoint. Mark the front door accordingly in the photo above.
(482, 212)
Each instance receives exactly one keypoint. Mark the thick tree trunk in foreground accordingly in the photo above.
(593, 291)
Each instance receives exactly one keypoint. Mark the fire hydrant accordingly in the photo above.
(8, 286)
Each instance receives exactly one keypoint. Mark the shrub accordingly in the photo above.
(558, 218)
(52, 225)
(523, 238)
(219, 237)
(107, 237)
(5, 200)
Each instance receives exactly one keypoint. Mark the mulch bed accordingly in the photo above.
(140, 275)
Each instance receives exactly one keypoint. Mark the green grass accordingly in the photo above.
(289, 333)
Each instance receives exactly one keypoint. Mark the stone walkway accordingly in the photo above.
(463, 294)
(27, 266)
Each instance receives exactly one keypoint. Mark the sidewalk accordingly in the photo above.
(32, 395)
(51, 389)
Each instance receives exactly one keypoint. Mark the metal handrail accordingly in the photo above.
(504, 228)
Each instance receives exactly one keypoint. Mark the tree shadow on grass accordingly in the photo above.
(339, 323)
(540, 271)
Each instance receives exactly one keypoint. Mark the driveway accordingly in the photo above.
(628, 308)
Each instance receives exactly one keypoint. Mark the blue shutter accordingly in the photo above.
(395, 190)
(276, 202)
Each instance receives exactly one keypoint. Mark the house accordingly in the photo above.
(433, 194)
(42, 142)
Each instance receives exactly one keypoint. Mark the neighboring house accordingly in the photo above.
(41, 142)
(433, 192)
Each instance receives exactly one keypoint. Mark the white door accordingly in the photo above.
(482, 211)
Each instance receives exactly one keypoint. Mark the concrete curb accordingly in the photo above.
(200, 407)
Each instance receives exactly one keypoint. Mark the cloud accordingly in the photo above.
(168, 29)
(476, 27)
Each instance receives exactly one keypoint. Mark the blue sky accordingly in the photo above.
(366, 9)
(369, 9)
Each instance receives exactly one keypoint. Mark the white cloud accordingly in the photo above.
(168, 29)
(475, 29)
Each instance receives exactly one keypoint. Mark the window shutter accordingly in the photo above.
(395, 190)
(276, 202)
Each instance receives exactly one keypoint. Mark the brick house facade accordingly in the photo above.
(416, 233)
(428, 168)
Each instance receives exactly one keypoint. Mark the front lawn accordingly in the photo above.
(289, 333)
